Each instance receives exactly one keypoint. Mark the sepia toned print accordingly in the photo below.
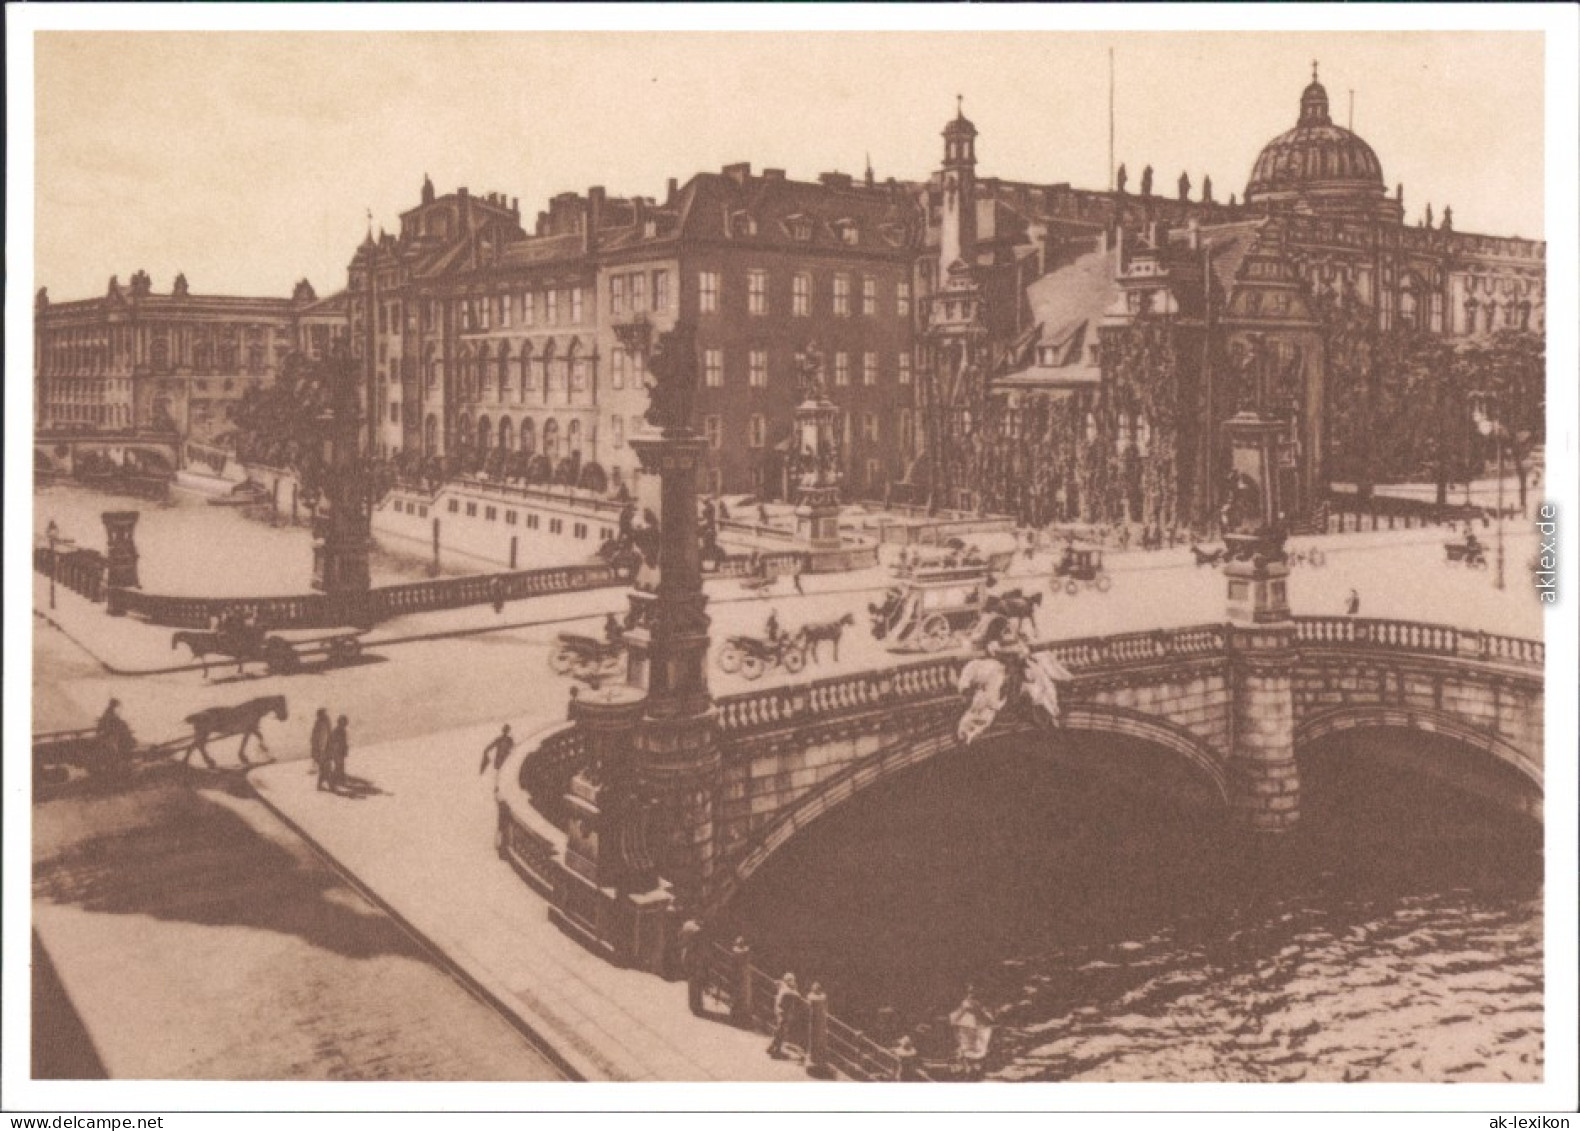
(1059, 602)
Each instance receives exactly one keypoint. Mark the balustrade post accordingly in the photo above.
(741, 990)
(817, 1031)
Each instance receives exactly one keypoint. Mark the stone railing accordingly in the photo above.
(82, 570)
(319, 610)
(550, 760)
(1415, 636)
(887, 688)
(774, 564)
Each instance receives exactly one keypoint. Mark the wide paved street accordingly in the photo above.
(199, 938)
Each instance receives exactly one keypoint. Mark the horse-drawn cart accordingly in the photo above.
(932, 608)
(582, 657)
(1080, 565)
(752, 655)
(1467, 553)
(283, 653)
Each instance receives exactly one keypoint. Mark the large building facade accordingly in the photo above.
(174, 362)
(1082, 349)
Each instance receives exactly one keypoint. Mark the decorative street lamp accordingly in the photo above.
(1487, 426)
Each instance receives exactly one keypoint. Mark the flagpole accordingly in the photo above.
(1110, 119)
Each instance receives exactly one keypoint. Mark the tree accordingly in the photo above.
(1511, 366)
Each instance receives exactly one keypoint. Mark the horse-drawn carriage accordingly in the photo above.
(282, 653)
(753, 655)
(1469, 552)
(1080, 565)
(584, 657)
(932, 608)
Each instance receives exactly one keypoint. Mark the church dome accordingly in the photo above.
(1317, 164)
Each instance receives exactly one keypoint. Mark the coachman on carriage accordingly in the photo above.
(931, 607)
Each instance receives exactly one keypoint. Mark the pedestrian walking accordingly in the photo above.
(693, 962)
(499, 750)
(795, 576)
(786, 995)
(1352, 604)
(905, 1060)
(319, 743)
(335, 753)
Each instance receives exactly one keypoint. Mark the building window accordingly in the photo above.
(757, 369)
(638, 292)
(617, 372)
(660, 290)
(551, 307)
(617, 431)
(801, 295)
(483, 305)
(491, 514)
(576, 305)
(510, 518)
(471, 510)
(902, 298)
(842, 295)
(713, 368)
(528, 310)
(757, 292)
(713, 429)
(756, 431)
(455, 505)
(869, 296)
(617, 295)
(842, 368)
(869, 368)
(869, 427)
(903, 362)
(708, 291)
(504, 311)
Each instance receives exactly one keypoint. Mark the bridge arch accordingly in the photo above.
(937, 739)
(1423, 720)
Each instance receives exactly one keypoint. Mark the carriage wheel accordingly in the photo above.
(1072, 587)
(1479, 563)
(794, 660)
(1054, 588)
(280, 657)
(1104, 583)
(729, 659)
(935, 634)
(751, 667)
(561, 661)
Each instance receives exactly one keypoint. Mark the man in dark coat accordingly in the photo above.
(499, 750)
(318, 745)
(336, 751)
(693, 962)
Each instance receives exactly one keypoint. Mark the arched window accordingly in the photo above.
(573, 438)
(485, 433)
(463, 430)
(504, 371)
(529, 435)
(526, 370)
(431, 368)
(430, 435)
(484, 374)
(551, 438)
(507, 434)
(1410, 296)
(548, 372)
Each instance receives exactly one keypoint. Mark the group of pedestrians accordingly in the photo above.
(330, 745)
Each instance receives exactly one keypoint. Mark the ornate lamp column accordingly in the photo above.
(677, 742)
(1265, 787)
(121, 549)
(817, 460)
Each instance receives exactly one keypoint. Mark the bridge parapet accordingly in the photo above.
(1421, 638)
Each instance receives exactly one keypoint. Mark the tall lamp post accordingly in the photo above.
(52, 533)
(1487, 426)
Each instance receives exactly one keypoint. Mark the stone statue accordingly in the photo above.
(1121, 179)
(672, 378)
(1206, 189)
(1184, 184)
(1429, 216)
(809, 373)
(1242, 509)
(1448, 218)
(1146, 181)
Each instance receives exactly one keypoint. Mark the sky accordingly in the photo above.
(250, 160)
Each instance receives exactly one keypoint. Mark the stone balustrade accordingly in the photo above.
(82, 571)
(1420, 638)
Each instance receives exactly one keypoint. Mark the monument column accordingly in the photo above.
(817, 462)
(121, 549)
(1264, 782)
(676, 743)
(341, 534)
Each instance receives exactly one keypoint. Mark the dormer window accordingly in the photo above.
(847, 231)
(650, 229)
(742, 224)
(800, 228)
(1045, 355)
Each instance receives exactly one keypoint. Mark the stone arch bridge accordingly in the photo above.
(1234, 703)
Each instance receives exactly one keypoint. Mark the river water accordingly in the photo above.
(192, 549)
(1119, 934)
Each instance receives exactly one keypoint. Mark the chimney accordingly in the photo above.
(595, 197)
(674, 187)
(515, 206)
(640, 204)
(773, 174)
(739, 172)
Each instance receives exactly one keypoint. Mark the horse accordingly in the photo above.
(813, 635)
(1015, 607)
(206, 644)
(1207, 557)
(223, 722)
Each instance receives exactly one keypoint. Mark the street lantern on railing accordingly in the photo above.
(1482, 405)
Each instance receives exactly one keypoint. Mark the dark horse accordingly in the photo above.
(812, 635)
(1015, 607)
(1207, 557)
(224, 722)
(230, 646)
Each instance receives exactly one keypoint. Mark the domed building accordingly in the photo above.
(1321, 169)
